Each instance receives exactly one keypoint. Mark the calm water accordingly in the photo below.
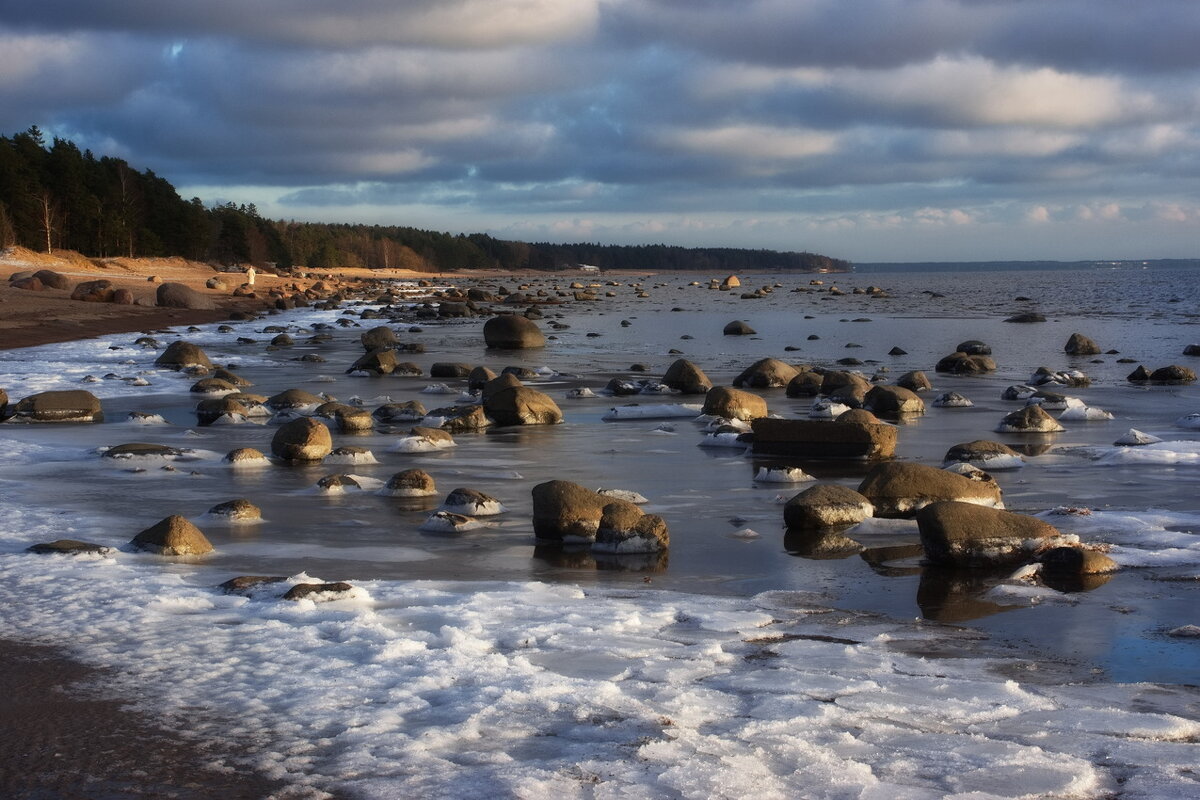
(707, 496)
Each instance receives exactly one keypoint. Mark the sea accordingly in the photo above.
(746, 661)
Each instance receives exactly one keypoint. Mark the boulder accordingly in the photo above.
(1173, 374)
(520, 405)
(499, 383)
(802, 438)
(958, 363)
(472, 503)
(182, 355)
(290, 399)
(214, 408)
(72, 405)
(623, 528)
(806, 384)
(1072, 561)
(1030, 419)
(30, 284)
(478, 378)
(723, 401)
(179, 295)
(379, 338)
(1080, 345)
(974, 347)
(915, 381)
(212, 386)
(245, 455)
(317, 591)
(826, 505)
(173, 536)
(248, 585)
(567, 512)
(239, 510)
(461, 419)
(139, 449)
(984, 454)
(836, 379)
(512, 332)
(687, 378)
(302, 440)
(100, 291)
(408, 411)
(739, 328)
(1026, 317)
(901, 489)
(1192, 350)
(70, 547)
(52, 280)
(893, 400)
(380, 361)
(766, 373)
(410, 483)
(968, 535)
(443, 369)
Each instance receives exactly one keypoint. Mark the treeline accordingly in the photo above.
(54, 196)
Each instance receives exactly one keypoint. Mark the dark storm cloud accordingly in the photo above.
(946, 112)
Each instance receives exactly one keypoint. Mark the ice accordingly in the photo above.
(1189, 421)
(782, 475)
(661, 411)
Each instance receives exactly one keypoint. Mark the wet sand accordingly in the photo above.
(67, 739)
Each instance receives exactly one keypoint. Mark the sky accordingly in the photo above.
(871, 130)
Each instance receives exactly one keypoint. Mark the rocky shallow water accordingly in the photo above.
(727, 536)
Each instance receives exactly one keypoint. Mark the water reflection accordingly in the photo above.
(946, 595)
(565, 557)
(819, 544)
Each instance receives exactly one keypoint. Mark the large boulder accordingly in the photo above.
(52, 280)
(449, 369)
(520, 405)
(687, 378)
(173, 536)
(1173, 374)
(893, 400)
(803, 438)
(182, 355)
(479, 377)
(380, 361)
(901, 489)
(213, 409)
(73, 405)
(915, 381)
(1080, 345)
(410, 483)
(499, 383)
(512, 332)
(826, 505)
(806, 384)
(567, 512)
(381, 337)
(723, 401)
(966, 534)
(624, 528)
(100, 291)
(179, 295)
(766, 373)
(302, 440)
(461, 419)
(1030, 419)
(959, 363)
(837, 379)
(291, 399)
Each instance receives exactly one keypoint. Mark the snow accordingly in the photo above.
(661, 411)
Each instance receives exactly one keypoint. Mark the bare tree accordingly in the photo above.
(8, 233)
(49, 216)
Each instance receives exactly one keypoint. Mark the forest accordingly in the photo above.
(55, 196)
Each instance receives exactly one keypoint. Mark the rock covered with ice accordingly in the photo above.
(449, 522)
(68, 406)
(246, 457)
(1030, 419)
(472, 503)
(239, 510)
(985, 454)
(826, 505)
(423, 439)
(409, 483)
(628, 495)
(661, 411)
(782, 475)
(1135, 438)
(351, 455)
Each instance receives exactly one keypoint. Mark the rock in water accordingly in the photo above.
(173, 536)
(985, 454)
(512, 332)
(1030, 419)
(302, 440)
(826, 505)
(1080, 345)
(409, 483)
(686, 378)
(73, 405)
(623, 528)
(766, 373)
(181, 355)
(520, 405)
(964, 534)
(739, 328)
(893, 401)
(901, 489)
(566, 512)
(1136, 438)
(723, 401)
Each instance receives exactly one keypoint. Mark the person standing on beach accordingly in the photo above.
(250, 275)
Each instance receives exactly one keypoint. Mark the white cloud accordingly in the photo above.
(759, 145)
